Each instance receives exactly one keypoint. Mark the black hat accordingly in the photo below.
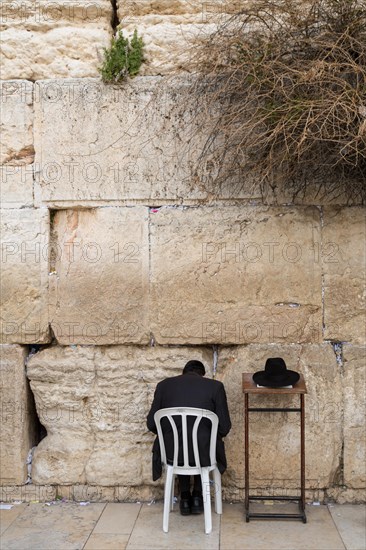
(275, 374)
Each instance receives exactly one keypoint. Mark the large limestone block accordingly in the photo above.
(344, 262)
(99, 279)
(16, 143)
(93, 402)
(17, 427)
(47, 39)
(322, 189)
(16, 184)
(354, 416)
(135, 142)
(170, 30)
(16, 122)
(43, 15)
(235, 275)
(130, 10)
(24, 276)
(170, 41)
(275, 437)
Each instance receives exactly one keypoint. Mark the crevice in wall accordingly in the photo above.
(152, 337)
(319, 257)
(338, 351)
(52, 250)
(215, 350)
(114, 18)
(338, 479)
(36, 430)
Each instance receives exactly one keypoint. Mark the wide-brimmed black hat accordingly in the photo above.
(275, 374)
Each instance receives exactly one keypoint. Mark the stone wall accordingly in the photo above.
(18, 418)
(121, 261)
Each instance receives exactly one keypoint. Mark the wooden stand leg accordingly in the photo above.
(246, 455)
(302, 459)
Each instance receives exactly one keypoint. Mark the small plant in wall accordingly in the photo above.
(123, 58)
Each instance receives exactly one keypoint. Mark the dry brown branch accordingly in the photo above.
(285, 83)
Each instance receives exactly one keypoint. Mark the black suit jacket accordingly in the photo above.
(190, 390)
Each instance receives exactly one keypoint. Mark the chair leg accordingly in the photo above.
(205, 478)
(172, 495)
(217, 488)
(167, 498)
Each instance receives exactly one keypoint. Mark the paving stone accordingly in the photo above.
(351, 524)
(8, 516)
(183, 531)
(106, 541)
(59, 526)
(319, 533)
(117, 519)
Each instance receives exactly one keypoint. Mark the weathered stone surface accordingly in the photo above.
(137, 8)
(47, 39)
(17, 427)
(99, 279)
(122, 144)
(342, 495)
(93, 402)
(24, 276)
(354, 417)
(45, 15)
(16, 143)
(234, 275)
(16, 184)
(169, 29)
(275, 437)
(344, 262)
(28, 493)
(323, 190)
(169, 41)
(16, 122)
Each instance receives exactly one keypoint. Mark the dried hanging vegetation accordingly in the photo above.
(285, 85)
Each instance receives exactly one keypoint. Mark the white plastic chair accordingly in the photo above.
(186, 469)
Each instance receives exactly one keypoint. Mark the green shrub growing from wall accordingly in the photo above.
(123, 58)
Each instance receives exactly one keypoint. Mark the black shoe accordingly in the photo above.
(196, 505)
(185, 506)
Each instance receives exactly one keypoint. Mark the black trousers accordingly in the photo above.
(185, 484)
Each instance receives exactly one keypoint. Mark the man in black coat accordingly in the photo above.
(191, 389)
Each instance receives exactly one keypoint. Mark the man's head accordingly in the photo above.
(194, 366)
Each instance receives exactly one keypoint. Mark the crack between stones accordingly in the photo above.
(93, 392)
(149, 221)
(38, 430)
(34, 151)
(322, 271)
(114, 17)
(339, 476)
(215, 353)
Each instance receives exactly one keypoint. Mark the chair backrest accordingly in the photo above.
(184, 413)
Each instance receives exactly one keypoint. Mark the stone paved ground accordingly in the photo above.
(103, 526)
